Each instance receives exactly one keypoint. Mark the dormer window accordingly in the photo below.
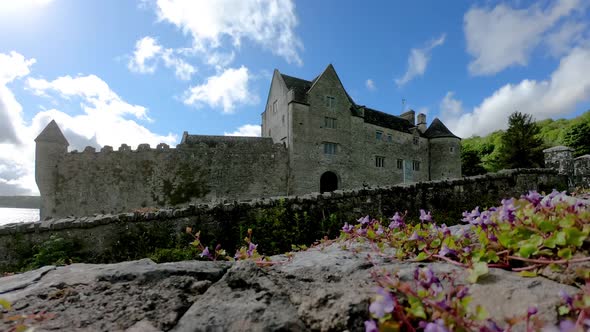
(330, 101)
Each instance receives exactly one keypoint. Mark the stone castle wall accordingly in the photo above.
(308, 217)
(560, 158)
(206, 168)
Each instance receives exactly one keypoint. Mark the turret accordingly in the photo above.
(51, 146)
(421, 122)
(444, 151)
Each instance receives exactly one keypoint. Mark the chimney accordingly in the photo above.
(421, 122)
(410, 116)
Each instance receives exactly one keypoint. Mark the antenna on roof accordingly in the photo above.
(403, 104)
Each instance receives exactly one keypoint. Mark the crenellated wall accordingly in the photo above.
(201, 169)
(277, 222)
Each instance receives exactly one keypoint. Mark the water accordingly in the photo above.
(12, 215)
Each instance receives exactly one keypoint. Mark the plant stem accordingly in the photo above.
(547, 261)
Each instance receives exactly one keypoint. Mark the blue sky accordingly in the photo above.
(112, 72)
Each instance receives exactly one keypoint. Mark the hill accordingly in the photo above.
(551, 131)
(24, 202)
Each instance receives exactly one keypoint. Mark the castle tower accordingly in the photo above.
(51, 146)
(444, 151)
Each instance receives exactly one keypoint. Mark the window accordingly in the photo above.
(452, 149)
(389, 138)
(400, 164)
(329, 123)
(329, 148)
(283, 118)
(416, 165)
(330, 101)
(378, 135)
(416, 140)
(274, 106)
(379, 161)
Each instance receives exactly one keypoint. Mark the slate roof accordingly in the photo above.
(296, 83)
(52, 133)
(438, 129)
(387, 120)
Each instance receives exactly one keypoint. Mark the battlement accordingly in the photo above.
(123, 148)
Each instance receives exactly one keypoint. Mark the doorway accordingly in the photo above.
(328, 182)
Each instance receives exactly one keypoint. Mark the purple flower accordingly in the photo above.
(414, 236)
(492, 237)
(532, 311)
(464, 291)
(467, 249)
(206, 253)
(445, 230)
(425, 217)
(507, 210)
(567, 326)
(251, 248)
(371, 326)
(566, 297)
(396, 221)
(382, 303)
(379, 231)
(444, 251)
(533, 197)
(347, 228)
(364, 220)
(493, 327)
(437, 326)
(361, 231)
(426, 277)
(471, 217)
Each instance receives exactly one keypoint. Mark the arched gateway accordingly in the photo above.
(328, 182)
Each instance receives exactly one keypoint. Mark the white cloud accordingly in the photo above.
(224, 90)
(450, 107)
(246, 130)
(148, 53)
(145, 55)
(102, 121)
(418, 60)
(270, 24)
(182, 69)
(95, 93)
(502, 36)
(11, 6)
(370, 84)
(558, 95)
(565, 38)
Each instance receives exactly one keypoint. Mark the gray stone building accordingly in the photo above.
(561, 158)
(314, 138)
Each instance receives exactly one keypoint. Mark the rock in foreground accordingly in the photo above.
(322, 289)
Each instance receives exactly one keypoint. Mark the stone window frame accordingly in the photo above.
(452, 149)
(330, 101)
(378, 135)
(329, 122)
(416, 165)
(400, 164)
(330, 148)
(389, 138)
(380, 161)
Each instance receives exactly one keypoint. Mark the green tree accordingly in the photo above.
(471, 163)
(521, 145)
(577, 137)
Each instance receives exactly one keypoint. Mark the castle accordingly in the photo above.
(315, 138)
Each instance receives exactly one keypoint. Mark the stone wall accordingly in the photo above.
(277, 223)
(202, 169)
(577, 170)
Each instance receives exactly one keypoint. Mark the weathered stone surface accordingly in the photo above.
(322, 289)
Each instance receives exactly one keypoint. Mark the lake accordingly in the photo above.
(12, 215)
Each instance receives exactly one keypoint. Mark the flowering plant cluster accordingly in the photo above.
(247, 252)
(522, 235)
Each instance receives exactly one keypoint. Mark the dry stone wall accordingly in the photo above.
(277, 223)
(208, 168)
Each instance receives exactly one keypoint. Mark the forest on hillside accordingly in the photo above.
(551, 132)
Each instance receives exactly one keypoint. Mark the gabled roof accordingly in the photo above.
(438, 129)
(53, 134)
(296, 83)
(387, 120)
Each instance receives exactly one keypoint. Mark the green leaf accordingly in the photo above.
(567, 221)
(506, 240)
(479, 269)
(565, 253)
(421, 256)
(563, 310)
(574, 237)
(371, 234)
(5, 304)
(547, 226)
(491, 256)
(435, 243)
(527, 274)
(480, 313)
(550, 242)
(560, 238)
(527, 249)
(416, 309)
